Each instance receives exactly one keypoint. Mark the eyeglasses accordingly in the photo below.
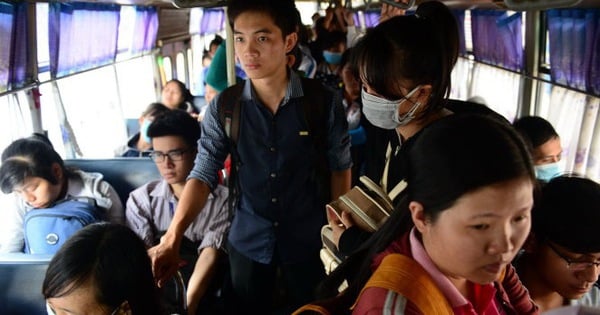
(571, 264)
(174, 155)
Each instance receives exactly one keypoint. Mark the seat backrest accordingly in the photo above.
(124, 174)
(21, 278)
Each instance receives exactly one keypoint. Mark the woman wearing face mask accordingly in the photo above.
(334, 46)
(140, 145)
(406, 82)
(545, 146)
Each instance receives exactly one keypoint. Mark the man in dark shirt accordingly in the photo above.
(277, 221)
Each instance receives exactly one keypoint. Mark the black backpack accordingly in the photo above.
(314, 109)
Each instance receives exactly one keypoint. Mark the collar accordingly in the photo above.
(163, 190)
(293, 90)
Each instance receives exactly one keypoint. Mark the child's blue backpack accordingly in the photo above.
(45, 230)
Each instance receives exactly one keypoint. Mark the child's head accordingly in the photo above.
(565, 241)
(31, 168)
(408, 54)
(174, 140)
(148, 115)
(102, 268)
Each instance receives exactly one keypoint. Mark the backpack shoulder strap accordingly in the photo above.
(406, 277)
(228, 108)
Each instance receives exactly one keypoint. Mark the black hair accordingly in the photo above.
(114, 258)
(447, 159)
(283, 12)
(155, 109)
(535, 130)
(412, 48)
(349, 58)
(566, 213)
(332, 39)
(176, 123)
(188, 98)
(28, 157)
(216, 41)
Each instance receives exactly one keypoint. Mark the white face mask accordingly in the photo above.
(383, 113)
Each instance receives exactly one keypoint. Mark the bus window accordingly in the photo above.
(181, 68)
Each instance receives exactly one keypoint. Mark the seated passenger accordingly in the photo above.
(150, 208)
(35, 177)
(447, 247)
(546, 149)
(175, 95)
(139, 145)
(101, 269)
(560, 262)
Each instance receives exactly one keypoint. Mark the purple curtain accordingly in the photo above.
(498, 38)
(7, 16)
(460, 21)
(212, 21)
(13, 50)
(371, 18)
(574, 48)
(81, 36)
(145, 29)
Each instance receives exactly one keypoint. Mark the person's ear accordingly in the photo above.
(290, 42)
(57, 171)
(423, 94)
(417, 213)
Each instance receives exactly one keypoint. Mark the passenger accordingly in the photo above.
(447, 247)
(560, 262)
(406, 82)
(214, 44)
(334, 46)
(139, 144)
(101, 269)
(150, 208)
(175, 95)
(546, 148)
(35, 176)
(280, 209)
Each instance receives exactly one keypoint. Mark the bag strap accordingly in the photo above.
(406, 277)
(229, 109)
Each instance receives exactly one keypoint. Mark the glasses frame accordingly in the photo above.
(170, 154)
(572, 264)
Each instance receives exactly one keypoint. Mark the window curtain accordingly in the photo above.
(13, 50)
(503, 95)
(145, 29)
(81, 36)
(212, 21)
(574, 44)
(460, 21)
(498, 38)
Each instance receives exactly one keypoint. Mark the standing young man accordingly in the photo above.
(279, 212)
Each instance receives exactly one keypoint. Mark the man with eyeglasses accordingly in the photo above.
(561, 260)
(150, 208)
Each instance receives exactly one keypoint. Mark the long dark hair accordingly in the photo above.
(449, 158)
(116, 261)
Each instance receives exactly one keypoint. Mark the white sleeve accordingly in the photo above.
(12, 212)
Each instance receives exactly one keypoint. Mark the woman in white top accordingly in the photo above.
(35, 177)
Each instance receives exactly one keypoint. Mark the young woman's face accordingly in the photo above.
(481, 233)
(39, 192)
(571, 283)
(172, 95)
(260, 46)
(82, 301)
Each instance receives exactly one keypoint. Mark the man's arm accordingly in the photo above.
(165, 256)
(204, 271)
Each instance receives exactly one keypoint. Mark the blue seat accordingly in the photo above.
(124, 174)
(21, 277)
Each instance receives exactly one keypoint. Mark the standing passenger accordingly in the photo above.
(560, 264)
(150, 208)
(279, 213)
(447, 247)
(36, 177)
